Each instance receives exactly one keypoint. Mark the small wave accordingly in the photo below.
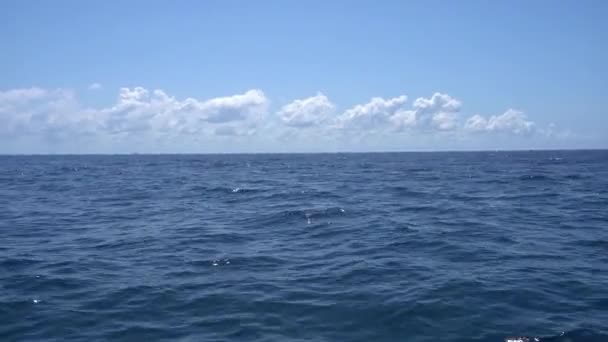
(306, 215)
(544, 194)
(535, 177)
(240, 190)
(572, 336)
(217, 262)
(224, 189)
(303, 194)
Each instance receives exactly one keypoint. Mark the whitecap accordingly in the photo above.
(308, 218)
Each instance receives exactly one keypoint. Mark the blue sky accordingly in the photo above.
(278, 76)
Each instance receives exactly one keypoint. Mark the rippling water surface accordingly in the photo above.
(319, 247)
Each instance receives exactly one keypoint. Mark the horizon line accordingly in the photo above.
(301, 152)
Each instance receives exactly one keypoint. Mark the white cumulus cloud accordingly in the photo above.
(437, 103)
(512, 121)
(376, 112)
(439, 111)
(232, 108)
(403, 119)
(137, 110)
(50, 113)
(155, 115)
(307, 112)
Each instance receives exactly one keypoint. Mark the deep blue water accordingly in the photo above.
(320, 247)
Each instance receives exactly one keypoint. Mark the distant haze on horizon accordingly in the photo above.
(313, 76)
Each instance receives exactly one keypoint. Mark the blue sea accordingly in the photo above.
(446, 246)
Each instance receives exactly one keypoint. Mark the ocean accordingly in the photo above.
(438, 246)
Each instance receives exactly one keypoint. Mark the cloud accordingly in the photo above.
(140, 113)
(438, 111)
(235, 130)
(22, 95)
(95, 86)
(444, 121)
(137, 109)
(437, 103)
(512, 121)
(307, 112)
(37, 111)
(403, 119)
(226, 130)
(232, 108)
(50, 113)
(476, 123)
(376, 112)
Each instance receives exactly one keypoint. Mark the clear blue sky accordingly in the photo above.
(289, 75)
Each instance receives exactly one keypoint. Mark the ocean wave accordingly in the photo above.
(570, 336)
(356, 247)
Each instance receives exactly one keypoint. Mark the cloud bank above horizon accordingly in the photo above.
(139, 115)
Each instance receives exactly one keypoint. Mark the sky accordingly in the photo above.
(301, 76)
